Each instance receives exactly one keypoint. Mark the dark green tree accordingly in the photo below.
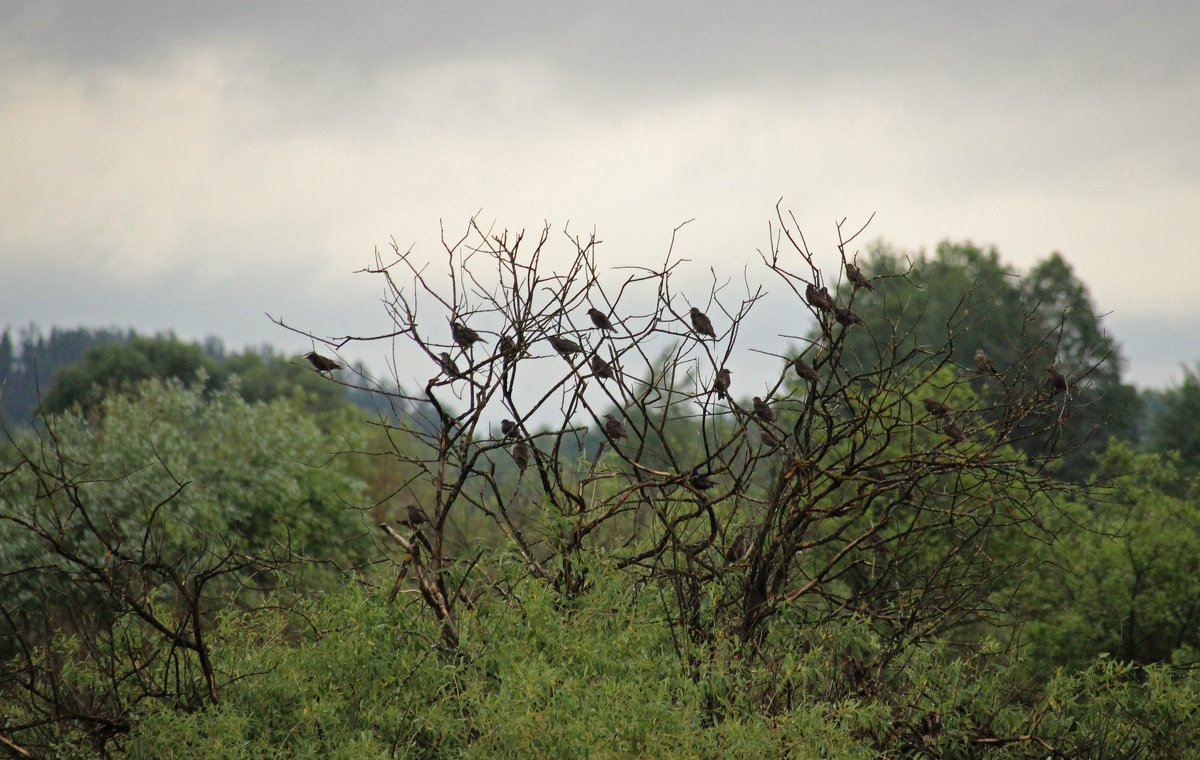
(1176, 426)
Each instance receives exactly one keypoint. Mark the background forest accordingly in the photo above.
(946, 526)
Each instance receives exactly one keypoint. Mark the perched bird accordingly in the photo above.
(464, 336)
(721, 383)
(983, 363)
(614, 428)
(600, 320)
(1057, 381)
(846, 316)
(508, 427)
(818, 298)
(701, 481)
(951, 429)
(768, 438)
(935, 407)
(520, 455)
(508, 349)
(857, 277)
(739, 550)
(805, 370)
(321, 363)
(449, 367)
(564, 346)
(763, 410)
(415, 516)
(701, 323)
(601, 369)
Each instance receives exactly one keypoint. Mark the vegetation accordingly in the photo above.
(580, 537)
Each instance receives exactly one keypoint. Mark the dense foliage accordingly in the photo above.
(192, 568)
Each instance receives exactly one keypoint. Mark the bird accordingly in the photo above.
(322, 363)
(935, 407)
(857, 277)
(600, 320)
(415, 516)
(819, 299)
(951, 429)
(763, 410)
(739, 550)
(805, 370)
(508, 427)
(984, 363)
(463, 335)
(520, 455)
(614, 428)
(700, 481)
(721, 383)
(846, 316)
(508, 349)
(601, 369)
(702, 324)
(564, 346)
(768, 438)
(1057, 381)
(449, 367)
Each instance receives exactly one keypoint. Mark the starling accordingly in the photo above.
(935, 407)
(601, 369)
(508, 427)
(818, 298)
(700, 481)
(701, 323)
(857, 277)
(614, 428)
(322, 363)
(983, 363)
(805, 370)
(464, 336)
(564, 346)
(846, 317)
(1057, 381)
(600, 320)
(721, 383)
(739, 550)
(520, 455)
(951, 429)
(763, 410)
(508, 349)
(415, 516)
(449, 367)
(768, 438)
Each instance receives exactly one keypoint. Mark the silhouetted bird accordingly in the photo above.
(818, 298)
(601, 369)
(600, 320)
(739, 550)
(846, 317)
(520, 455)
(984, 363)
(508, 349)
(700, 481)
(805, 370)
(763, 410)
(857, 277)
(1057, 381)
(321, 363)
(564, 346)
(449, 367)
(464, 336)
(935, 407)
(701, 323)
(951, 429)
(614, 428)
(508, 427)
(721, 383)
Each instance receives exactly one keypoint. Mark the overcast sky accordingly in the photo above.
(190, 166)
